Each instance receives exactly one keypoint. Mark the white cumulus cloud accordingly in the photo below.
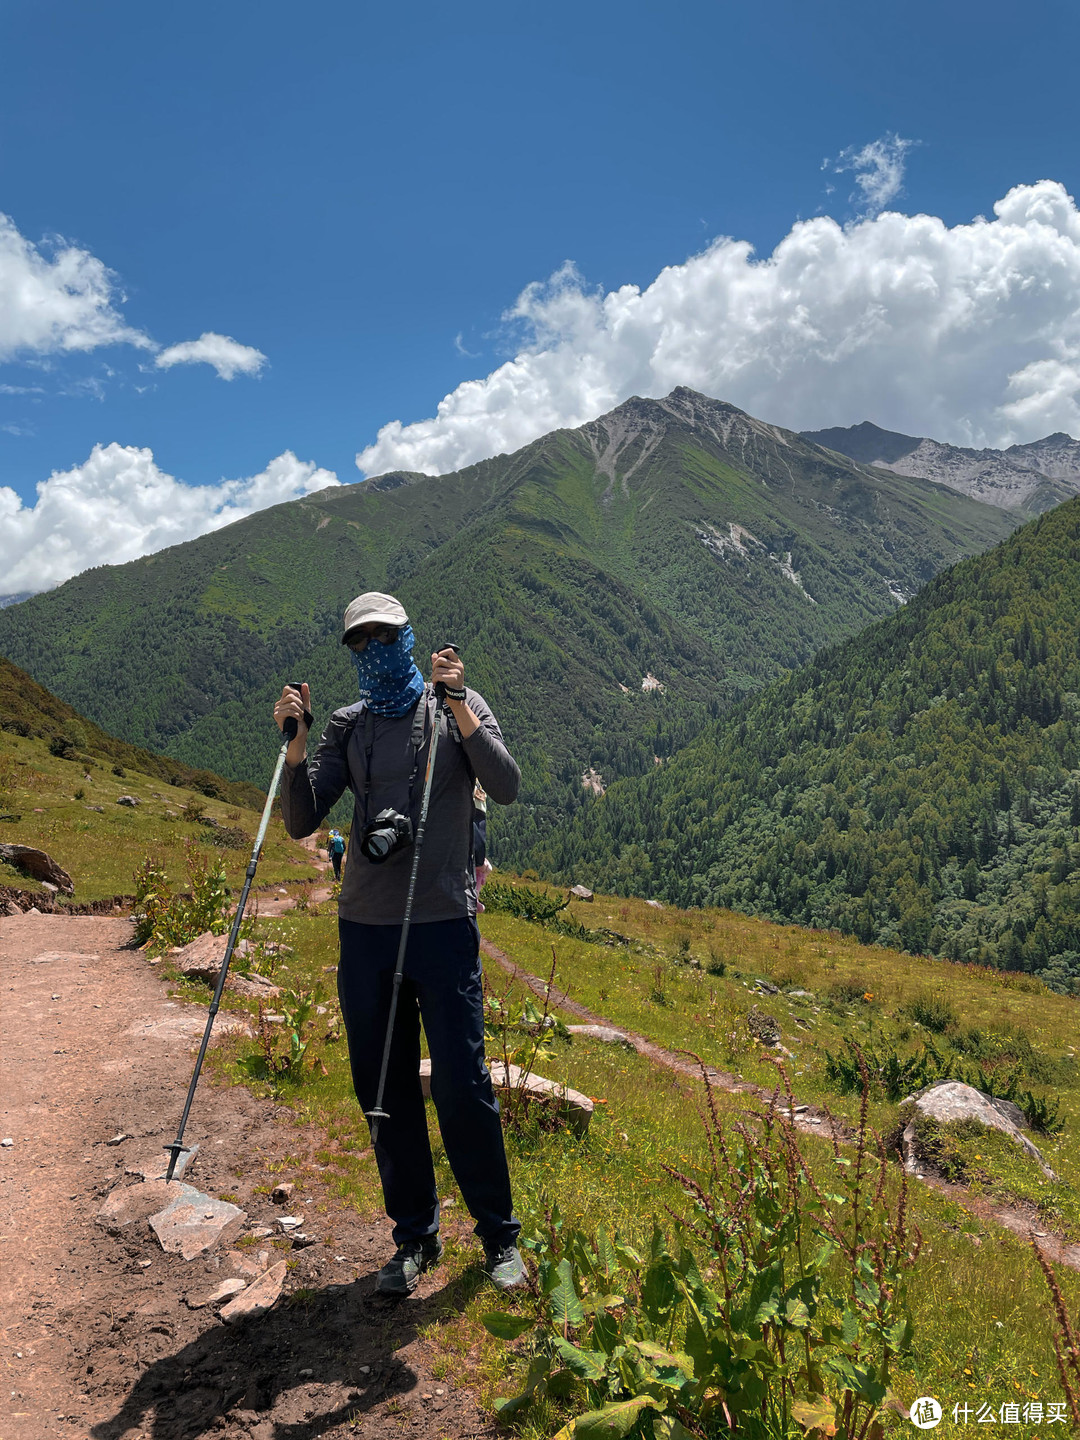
(228, 357)
(968, 333)
(57, 299)
(878, 169)
(119, 505)
(63, 301)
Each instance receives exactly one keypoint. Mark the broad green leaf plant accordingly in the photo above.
(773, 1308)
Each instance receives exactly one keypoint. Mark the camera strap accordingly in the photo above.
(424, 708)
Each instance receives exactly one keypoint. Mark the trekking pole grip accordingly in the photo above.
(440, 685)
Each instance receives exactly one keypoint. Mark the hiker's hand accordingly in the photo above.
(294, 705)
(448, 667)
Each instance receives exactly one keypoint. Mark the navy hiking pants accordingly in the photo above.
(441, 986)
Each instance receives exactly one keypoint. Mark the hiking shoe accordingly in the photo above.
(504, 1266)
(398, 1276)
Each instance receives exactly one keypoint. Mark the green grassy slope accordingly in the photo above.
(28, 709)
(918, 786)
(981, 1308)
(680, 539)
(67, 806)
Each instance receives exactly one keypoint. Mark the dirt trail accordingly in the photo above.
(808, 1118)
(96, 1336)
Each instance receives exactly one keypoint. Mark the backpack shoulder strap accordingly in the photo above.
(346, 732)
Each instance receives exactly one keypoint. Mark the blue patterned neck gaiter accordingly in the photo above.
(389, 681)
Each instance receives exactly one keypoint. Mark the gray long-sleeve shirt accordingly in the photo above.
(445, 885)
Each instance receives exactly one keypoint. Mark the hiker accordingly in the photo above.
(482, 866)
(378, 749)
(337, 850)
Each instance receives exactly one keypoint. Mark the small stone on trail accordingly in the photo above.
(145, 1264)
(194, 1223)
(305, 1373)
(116, 1139)
(283, 1192)
(155, 1169)
(225, 1291)
(7, 1142)
(301, 1241)
(257, 1299)
(289, 1222)
(260, 1232)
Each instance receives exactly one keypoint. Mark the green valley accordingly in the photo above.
(612, 589)
(917, 786)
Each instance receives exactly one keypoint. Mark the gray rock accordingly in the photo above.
(194, 1224)
(38, 866)
(951, 1101)
(763, 1027)
(574, 1108)
(225, 1291)
(800, 994)
(257, 1298)
(282, 1192)
(129, 800)
(766, 987)
(155, 1169)
(201, 960)
(134, 1203)
(605, 1033)
(248, 1265)
(579, 892)
(654, 904)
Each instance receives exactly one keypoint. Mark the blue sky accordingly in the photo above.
(360, 192)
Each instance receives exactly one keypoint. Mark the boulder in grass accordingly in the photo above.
(201, 960)
(763, 1027)
(573, 1107)
(580, 892)
(129, 800)
(38, 866)
(951, 1101)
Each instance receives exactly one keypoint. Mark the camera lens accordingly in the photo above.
(379, 844)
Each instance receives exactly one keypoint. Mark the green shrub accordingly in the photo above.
(227, 837)
(280, 1066)
(773, 1306)
(522, 901)
(931, 1012)
(845, 992)
(164, 919)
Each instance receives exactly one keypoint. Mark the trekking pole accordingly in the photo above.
(178, 1148)
(378, 1114)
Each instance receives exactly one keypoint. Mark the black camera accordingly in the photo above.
(388, 832)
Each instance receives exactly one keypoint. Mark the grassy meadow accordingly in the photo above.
(686, 979)
(52, 803)
(980, 1306)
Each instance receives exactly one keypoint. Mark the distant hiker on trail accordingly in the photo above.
(337, 850)
(379, 749)
(482, 866)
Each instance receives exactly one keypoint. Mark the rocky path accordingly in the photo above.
(98, 1335)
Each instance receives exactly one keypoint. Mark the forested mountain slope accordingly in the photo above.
(27, 708)
(916, 786)
(610, 587)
